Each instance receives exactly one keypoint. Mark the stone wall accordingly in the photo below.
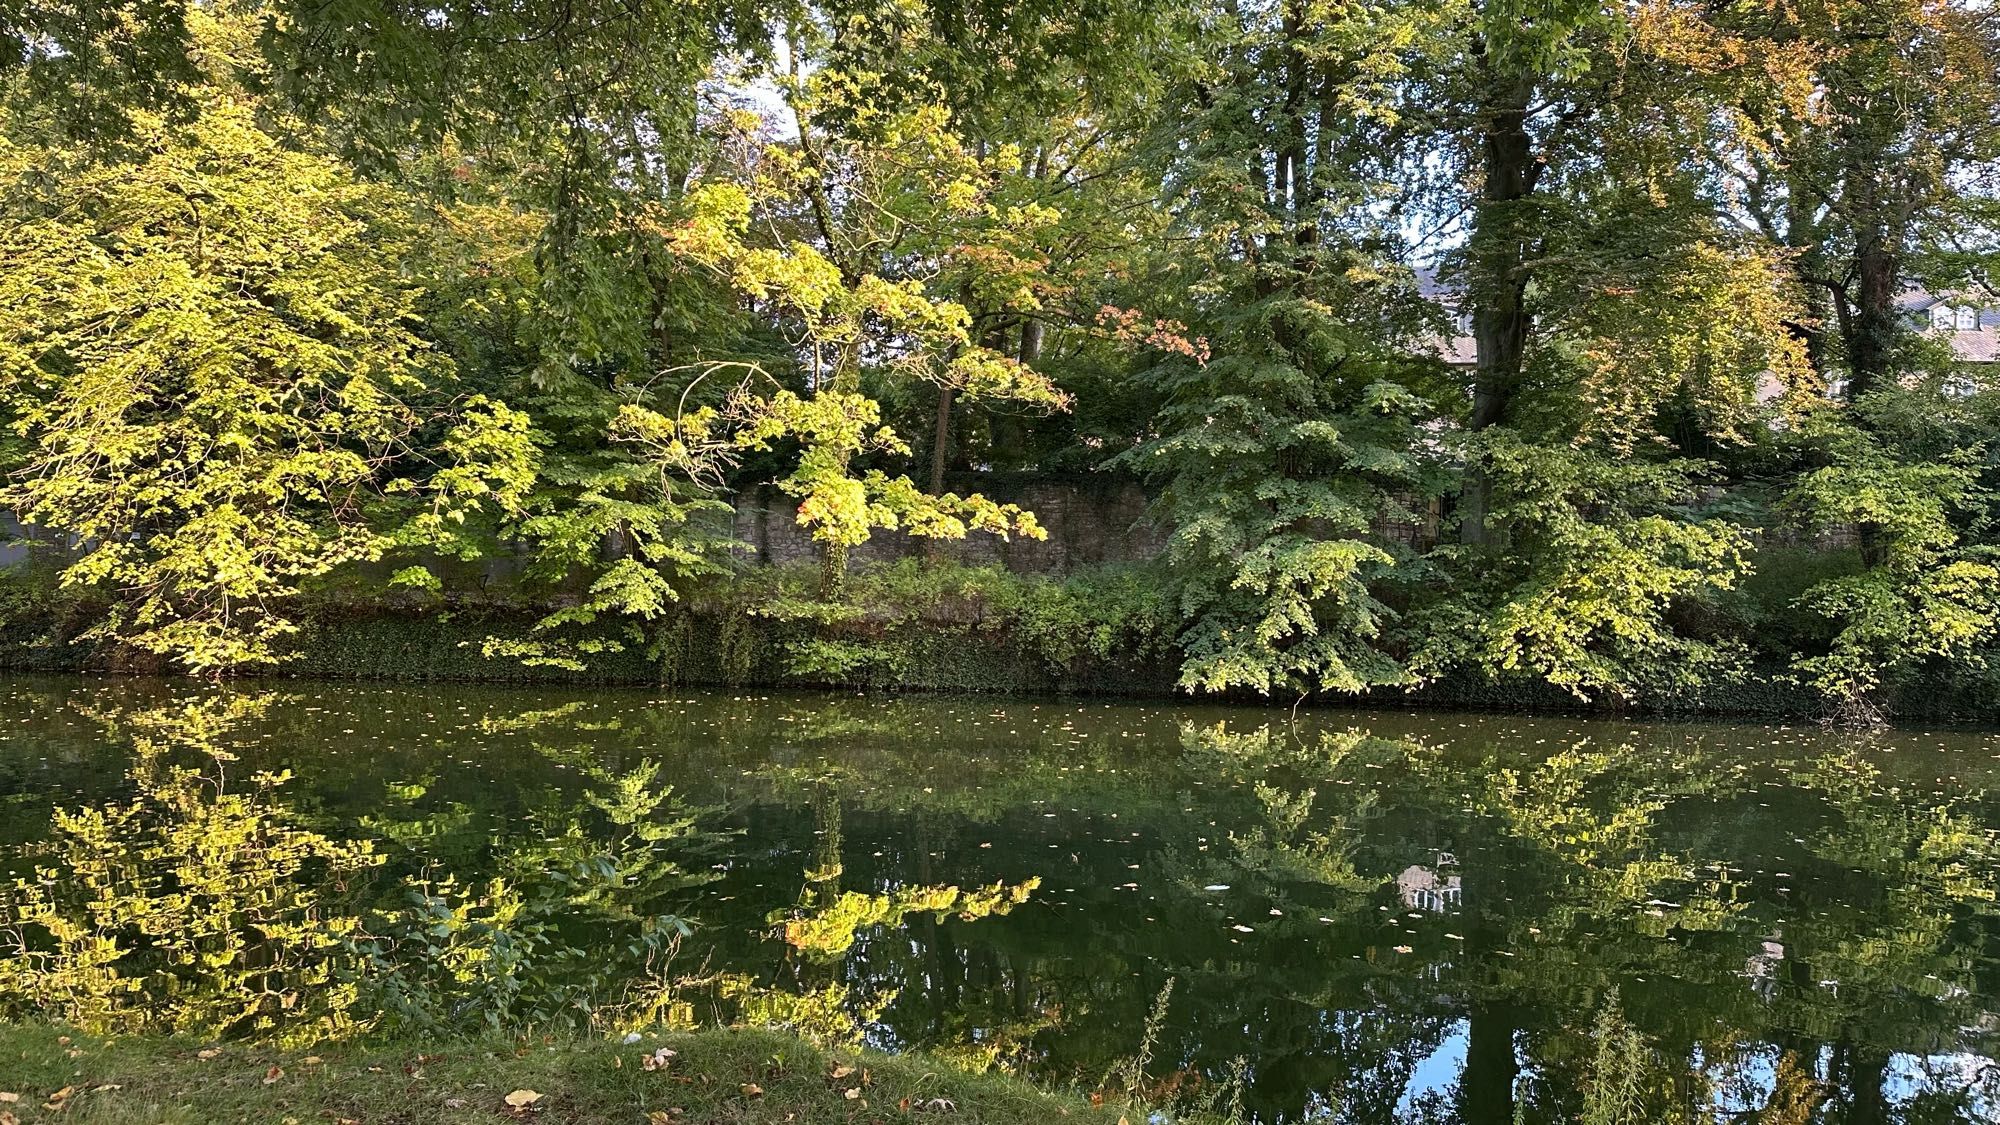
(1090, 521)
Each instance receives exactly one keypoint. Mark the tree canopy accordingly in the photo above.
(1622, 308)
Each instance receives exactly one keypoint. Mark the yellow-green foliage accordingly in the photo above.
(1923, 594)
(830, 930)
(211, 361)
(191, 909)
(829, 1016)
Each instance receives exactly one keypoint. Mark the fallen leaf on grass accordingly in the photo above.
(840, 1072)
(9, 1097)
(853, 1093)
(454, 1103)
(664, 1116)
(752, 1090)
(520, 1098)
(208, 1053)
(273, 1074)
(657, 1060)
(312, 1060)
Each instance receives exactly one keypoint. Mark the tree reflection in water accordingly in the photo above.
(1417, 920)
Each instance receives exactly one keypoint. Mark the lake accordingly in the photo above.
(1338, 915)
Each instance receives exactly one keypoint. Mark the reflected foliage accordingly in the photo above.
(1389, 919)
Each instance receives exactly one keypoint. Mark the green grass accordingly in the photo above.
(721, 1077)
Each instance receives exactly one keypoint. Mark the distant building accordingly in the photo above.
(1968, 320)
(1457, 348)
(1422, 888)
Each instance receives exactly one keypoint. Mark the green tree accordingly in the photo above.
(1287, 386)
(213, 365)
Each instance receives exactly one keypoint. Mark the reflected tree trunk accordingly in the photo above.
(1486, 1090)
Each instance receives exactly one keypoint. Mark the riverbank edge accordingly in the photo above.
(384, 642)
(724, 1076)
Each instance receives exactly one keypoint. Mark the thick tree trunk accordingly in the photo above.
(1871, 323)
(1486, 1090)
(941, 438)
(1864, 1072)
(1498, 291)
(1871, 344)
(1031, 341)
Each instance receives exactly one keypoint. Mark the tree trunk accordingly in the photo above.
(1498, 290)
(941, 438)
(1486, 1090)
(1871, 344)
(1871, 323)
(1031, 340)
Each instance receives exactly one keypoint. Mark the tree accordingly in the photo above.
(1287, 410)
(212, 363)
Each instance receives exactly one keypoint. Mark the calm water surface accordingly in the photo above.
(1364, 917)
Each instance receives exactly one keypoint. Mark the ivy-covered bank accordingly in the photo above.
(916, 625)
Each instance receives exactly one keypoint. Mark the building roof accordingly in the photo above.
(1968, 345)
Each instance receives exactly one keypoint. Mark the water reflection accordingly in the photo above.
(1415, 919)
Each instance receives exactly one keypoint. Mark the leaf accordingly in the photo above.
(752, 1090)
(520, 1098)
(272, 1074)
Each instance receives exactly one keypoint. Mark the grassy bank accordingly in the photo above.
(732, 1077)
